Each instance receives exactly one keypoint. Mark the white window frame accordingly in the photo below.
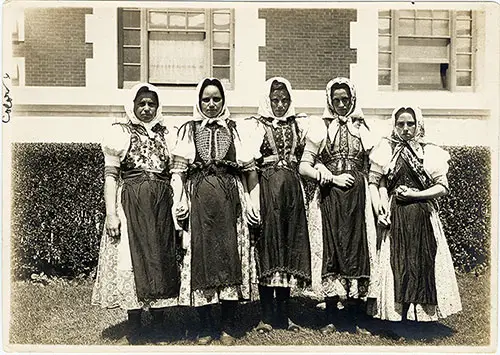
(452, 69)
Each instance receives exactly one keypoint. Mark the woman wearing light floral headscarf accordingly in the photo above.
(342, 228)
(209, 158)
(282, 241)
(140, 252)
(416, 279)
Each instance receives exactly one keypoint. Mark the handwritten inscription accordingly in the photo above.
(7, 100)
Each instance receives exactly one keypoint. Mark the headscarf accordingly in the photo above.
(199, 115)
(129, 109)
(265, 109)
(354, 119)
(415, 143)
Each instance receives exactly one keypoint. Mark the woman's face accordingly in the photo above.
(280, 102)
(341, 101)
(145, 106)
(211, 101)
(406, 126)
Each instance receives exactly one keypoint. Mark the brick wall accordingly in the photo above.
(54, 46)
(307, 46)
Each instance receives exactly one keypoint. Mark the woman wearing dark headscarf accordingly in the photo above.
(209, 157)
(416, 279)
(340, 216)
(282, 243)
(137, 260)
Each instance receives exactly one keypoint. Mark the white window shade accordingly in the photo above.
(176, 57)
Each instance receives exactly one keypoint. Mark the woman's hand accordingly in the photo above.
(253, 213)
(384, 220)
(113, 226)
(181, 209)
(343, 180)
(405, 194)
(325, 176)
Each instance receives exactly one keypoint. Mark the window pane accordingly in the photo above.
(407, 13)
(384, 13)
(463, 61)
(441, 28)
(464, 14)
(422, 76)
(407, 27)
(440, 14)
(157, 20)
(176, 20)
(132, 37)
(424, 13)
(384, 77)
(221, 39)
(384, 43)
(131, 19)
(464, 78)
(223, 74)
(131, 55)
(424, 27)
(196, 20)
(424, 49)
(463, 28)
(464, 45)
(384, 26)
(384, 60)
(131, 73)
(176, 57)
(222, 21)
(221, 57)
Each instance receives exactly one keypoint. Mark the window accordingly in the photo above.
(425, 49)
(174, 46)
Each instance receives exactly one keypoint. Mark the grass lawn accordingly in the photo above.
(60, 313)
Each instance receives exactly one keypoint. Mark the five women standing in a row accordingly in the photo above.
(178, 216)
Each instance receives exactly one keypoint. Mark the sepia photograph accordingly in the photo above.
(250, 176)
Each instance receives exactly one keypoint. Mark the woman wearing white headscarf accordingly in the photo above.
(342, 229)
(282, 241)
(209, 158)
(139, 253)
(416, 279)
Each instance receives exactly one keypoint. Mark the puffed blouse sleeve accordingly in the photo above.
(436, 164)
(115, 144)
(380, 157)
(184, 151)
(302, 125)
(314, 138)
(246, 138)
(252, 135)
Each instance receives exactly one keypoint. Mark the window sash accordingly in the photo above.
(452, 51)
(218, 44)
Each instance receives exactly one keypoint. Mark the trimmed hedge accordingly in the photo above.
(58, 208)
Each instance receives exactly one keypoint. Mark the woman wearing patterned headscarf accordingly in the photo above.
(282, 241)
(138, 259)
(416, 279)
(209, 158)
(342, 229)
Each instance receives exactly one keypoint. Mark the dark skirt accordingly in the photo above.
(283, 242)
(147, 203)
(345, 245)
(215, 207)
(413, 253)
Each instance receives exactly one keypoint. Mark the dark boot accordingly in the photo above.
(228, 311)
(157, 318)
(266, 304)
(205, 335)
(332, 314)
(361, 319)
(134, 327)
(282, 309)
